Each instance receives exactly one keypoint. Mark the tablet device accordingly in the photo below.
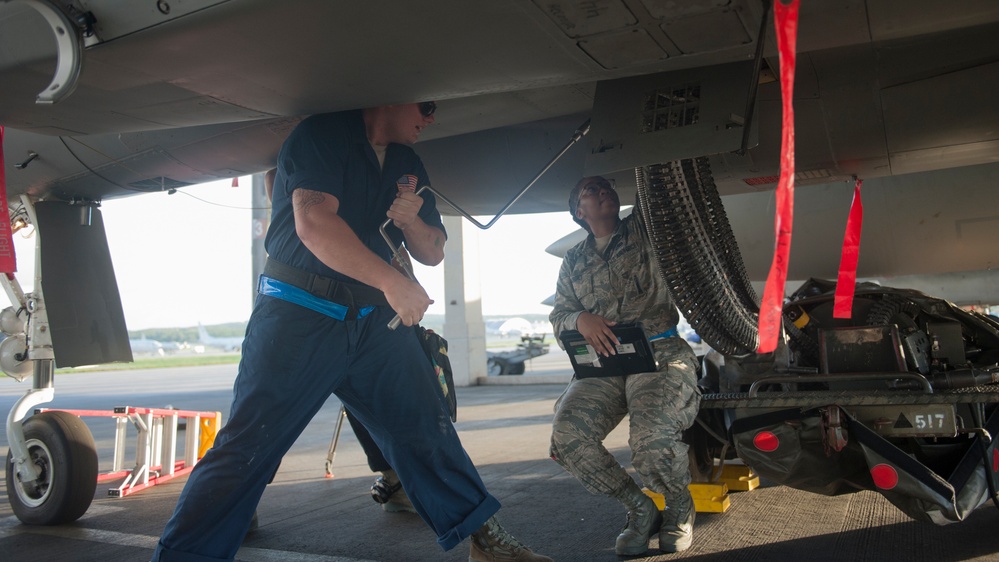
(634, 353)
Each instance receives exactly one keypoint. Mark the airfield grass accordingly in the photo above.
(192, 360)
(197, 359)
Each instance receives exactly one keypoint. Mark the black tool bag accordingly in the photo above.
(436, 348)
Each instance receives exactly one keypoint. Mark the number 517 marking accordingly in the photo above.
(930, 421)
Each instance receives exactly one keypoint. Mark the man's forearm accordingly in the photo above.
(425, 243)
(339, 248)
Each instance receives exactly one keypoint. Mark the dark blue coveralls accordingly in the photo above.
(295, 357)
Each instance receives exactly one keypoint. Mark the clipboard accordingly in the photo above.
(634, 353)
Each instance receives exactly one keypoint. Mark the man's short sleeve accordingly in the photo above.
(314, 155)
(428, 212)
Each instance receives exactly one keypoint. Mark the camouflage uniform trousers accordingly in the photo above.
(661, 405)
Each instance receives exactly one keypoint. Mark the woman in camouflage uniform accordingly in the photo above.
(611, 278)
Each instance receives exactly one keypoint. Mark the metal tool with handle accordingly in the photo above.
(397, 253)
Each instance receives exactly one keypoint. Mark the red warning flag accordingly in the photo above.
(847, 281)
(8, 261)
(786, 25)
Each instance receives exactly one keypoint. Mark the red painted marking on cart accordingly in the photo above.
(885, 476)
(766, 441)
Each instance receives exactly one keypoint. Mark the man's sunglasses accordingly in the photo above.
(428, 108)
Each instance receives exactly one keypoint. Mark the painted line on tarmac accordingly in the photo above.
(149, 542)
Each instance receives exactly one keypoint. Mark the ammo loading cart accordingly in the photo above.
(513, 362)
(901, 399)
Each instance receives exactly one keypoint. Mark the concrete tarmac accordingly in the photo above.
(504, 425)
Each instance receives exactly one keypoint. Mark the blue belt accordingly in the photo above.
(671, 333)
(301, 297)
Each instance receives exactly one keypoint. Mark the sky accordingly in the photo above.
(186, 258)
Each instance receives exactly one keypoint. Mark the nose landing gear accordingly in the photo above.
(61, 448)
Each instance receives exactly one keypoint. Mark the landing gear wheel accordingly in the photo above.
(62, 448)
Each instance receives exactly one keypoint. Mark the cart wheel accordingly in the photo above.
(62, 448)
(493, 369)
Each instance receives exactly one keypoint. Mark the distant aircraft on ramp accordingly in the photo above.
(146, 347)
(225, 344)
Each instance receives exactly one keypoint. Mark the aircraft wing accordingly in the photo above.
(208, 89)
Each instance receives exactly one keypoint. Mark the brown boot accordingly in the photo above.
(491, 543)
(677, 531)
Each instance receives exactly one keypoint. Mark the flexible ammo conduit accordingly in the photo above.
(697, 253)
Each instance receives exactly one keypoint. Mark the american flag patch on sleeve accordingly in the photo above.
(407, 182)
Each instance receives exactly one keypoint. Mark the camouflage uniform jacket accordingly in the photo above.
(623, 284)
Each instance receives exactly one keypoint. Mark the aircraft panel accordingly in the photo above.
(710, 31)
(86, 320)
(658, 118)
(958, 106)
(910, 221)
(893, 19)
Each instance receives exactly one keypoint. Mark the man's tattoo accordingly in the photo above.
(307, 200)
(437, 242)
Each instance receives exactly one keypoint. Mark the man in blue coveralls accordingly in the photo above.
(320, 326)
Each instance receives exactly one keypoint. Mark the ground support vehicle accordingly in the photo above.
(900, 399)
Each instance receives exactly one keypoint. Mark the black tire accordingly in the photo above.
(61, 445)
(515, 368)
